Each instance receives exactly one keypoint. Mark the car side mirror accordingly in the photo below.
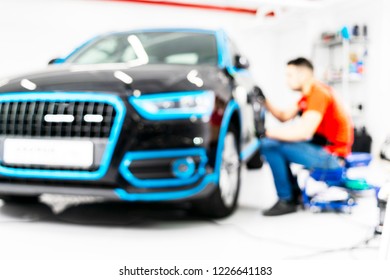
(241, 62)
(56, 61)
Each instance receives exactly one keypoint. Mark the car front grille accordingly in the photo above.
(27, 119)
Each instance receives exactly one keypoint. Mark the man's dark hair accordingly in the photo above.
(301, 62)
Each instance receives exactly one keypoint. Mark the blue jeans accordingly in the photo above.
(280, 154)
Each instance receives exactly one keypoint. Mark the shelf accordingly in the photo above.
(339, 42)
(353, 78)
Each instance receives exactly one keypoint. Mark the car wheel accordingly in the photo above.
(256, 161)
(223, 200)
(20, 199)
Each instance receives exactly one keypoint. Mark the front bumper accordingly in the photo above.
(141, 176)
(203, 189)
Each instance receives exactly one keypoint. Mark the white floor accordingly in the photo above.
(74, 228)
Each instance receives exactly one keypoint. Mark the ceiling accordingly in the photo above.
(258, 3)
(262, 8)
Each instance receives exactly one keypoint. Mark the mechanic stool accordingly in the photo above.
(332, 190)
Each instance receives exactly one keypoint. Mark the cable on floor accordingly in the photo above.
(320, 251)
(361, 245)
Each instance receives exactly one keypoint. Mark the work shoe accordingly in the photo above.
(280, 208)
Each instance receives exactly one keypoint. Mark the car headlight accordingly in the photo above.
(176, 105)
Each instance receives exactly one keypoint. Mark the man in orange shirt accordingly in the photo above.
(318, 139)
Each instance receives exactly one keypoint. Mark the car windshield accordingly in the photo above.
(150, 48)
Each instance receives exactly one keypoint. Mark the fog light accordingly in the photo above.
(183, 168)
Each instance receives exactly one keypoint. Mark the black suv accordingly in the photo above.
(144, 115)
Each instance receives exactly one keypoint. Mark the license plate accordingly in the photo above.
(52, 153)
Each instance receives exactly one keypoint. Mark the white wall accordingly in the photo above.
(379, 112)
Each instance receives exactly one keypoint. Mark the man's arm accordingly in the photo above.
(282, 115)
(302, 130)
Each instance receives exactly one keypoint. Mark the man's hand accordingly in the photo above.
(259, 95)
(262, 133)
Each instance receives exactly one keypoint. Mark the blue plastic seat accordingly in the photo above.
(358, 159)
(335, 177)
(332, 177)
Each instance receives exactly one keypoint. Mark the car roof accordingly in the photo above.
(169, 29)
(188, 30)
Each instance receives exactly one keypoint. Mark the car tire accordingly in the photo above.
(256, 161)
(20, 199)
(223, 200)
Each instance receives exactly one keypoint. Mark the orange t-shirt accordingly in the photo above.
(336, 126)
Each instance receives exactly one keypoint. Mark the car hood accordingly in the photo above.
(118, 79)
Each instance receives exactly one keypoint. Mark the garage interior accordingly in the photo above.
(269, 33)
